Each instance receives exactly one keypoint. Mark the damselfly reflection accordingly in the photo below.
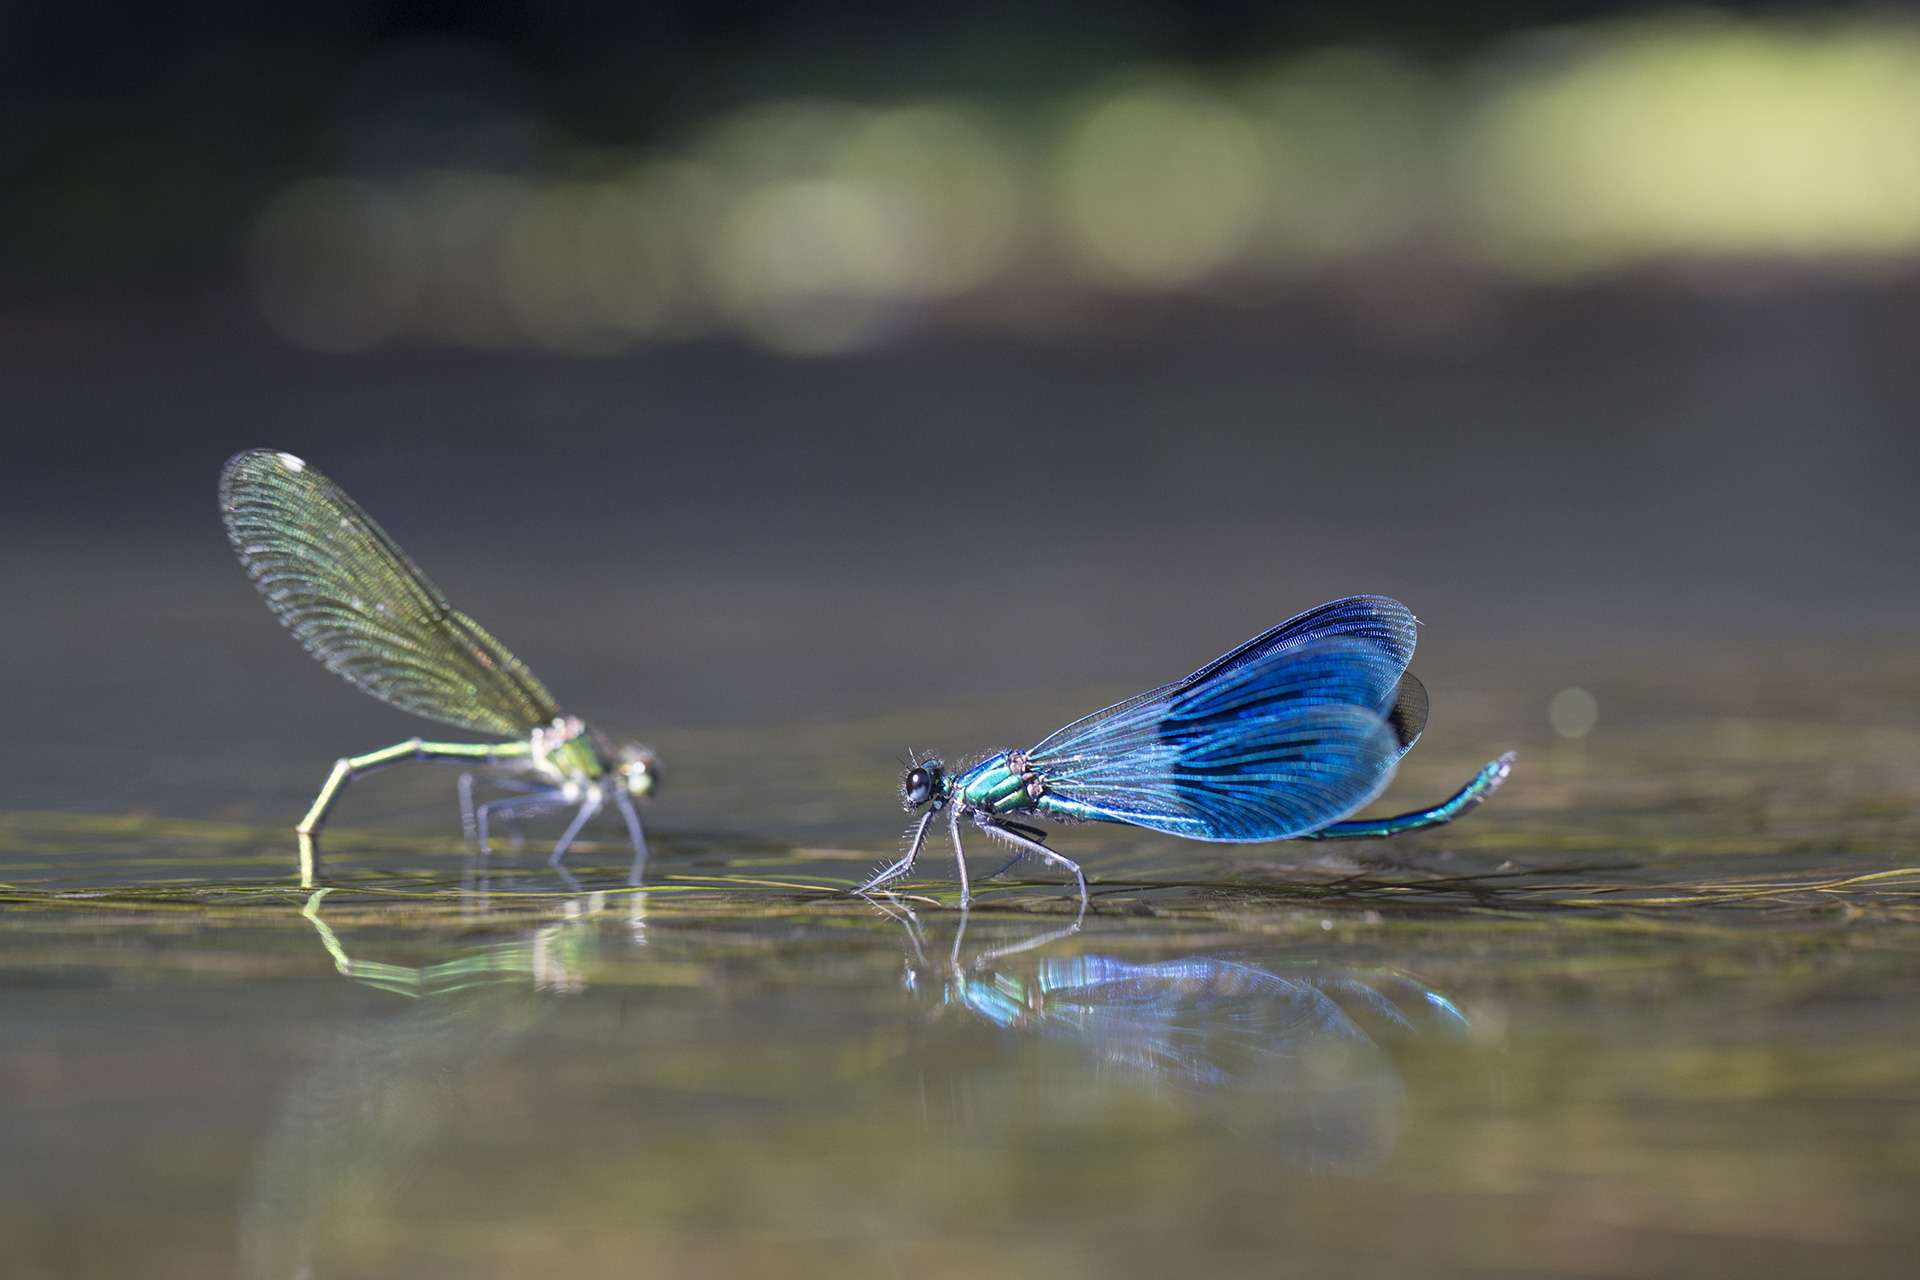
(552, 956)
(372, 1098)
(354, 599)
(1280, 739)
(1297, 1055)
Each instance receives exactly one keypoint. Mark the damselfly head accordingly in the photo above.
(639, 770)
(920, 783)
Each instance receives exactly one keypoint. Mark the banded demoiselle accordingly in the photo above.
(363, 608)
(1280, 739)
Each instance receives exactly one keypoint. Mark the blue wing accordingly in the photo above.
(1265, 748)
(1377, 620)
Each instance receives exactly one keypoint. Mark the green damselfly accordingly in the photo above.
(363, 608)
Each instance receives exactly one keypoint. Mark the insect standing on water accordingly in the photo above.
(350, 595)
(1279, 739)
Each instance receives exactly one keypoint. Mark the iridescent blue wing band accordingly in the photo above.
(1380, 620)
(1267, 748)
(1377, 620)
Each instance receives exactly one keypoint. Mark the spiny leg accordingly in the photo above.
(1482, 785)
(905, 863)
(348, 768)
(624, 803)
(959, 857)
(1033, 833)
(1034, 847)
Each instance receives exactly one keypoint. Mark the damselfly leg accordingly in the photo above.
(634, 832)
(532, 802)
(1026, 840)
(588, 807)
(905, 863)
(1032, 833)
(959, 856)
(346, 769)
(512, 807)
(1004, 833)
(468, 823)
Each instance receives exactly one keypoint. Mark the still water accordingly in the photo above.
(1635, 1016)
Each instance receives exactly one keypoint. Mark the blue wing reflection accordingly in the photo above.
(1298, 1058)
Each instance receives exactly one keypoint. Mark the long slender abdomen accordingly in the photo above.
(1069, 810)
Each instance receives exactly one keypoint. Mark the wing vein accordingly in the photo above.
(355, 601)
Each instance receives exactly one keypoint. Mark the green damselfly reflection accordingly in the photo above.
(549, 957)
(620, 1037)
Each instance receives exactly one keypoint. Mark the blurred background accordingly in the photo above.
(791, 386)
(770, 368)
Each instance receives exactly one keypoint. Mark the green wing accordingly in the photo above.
(353, 598)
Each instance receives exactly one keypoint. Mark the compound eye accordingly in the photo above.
(919, 788)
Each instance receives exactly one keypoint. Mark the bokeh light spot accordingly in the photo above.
(1159, 186)
(951, 183)
(805, 267)
(1573, 712)
(1698, 136)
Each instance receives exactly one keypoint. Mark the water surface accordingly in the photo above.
(1650, 1011)
(1629, 1018)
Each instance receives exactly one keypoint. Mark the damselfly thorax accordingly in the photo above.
(1003, 783)
(573, 756)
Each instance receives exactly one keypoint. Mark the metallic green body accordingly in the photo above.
(994, 786)
(577, 757)
(1065, 810)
